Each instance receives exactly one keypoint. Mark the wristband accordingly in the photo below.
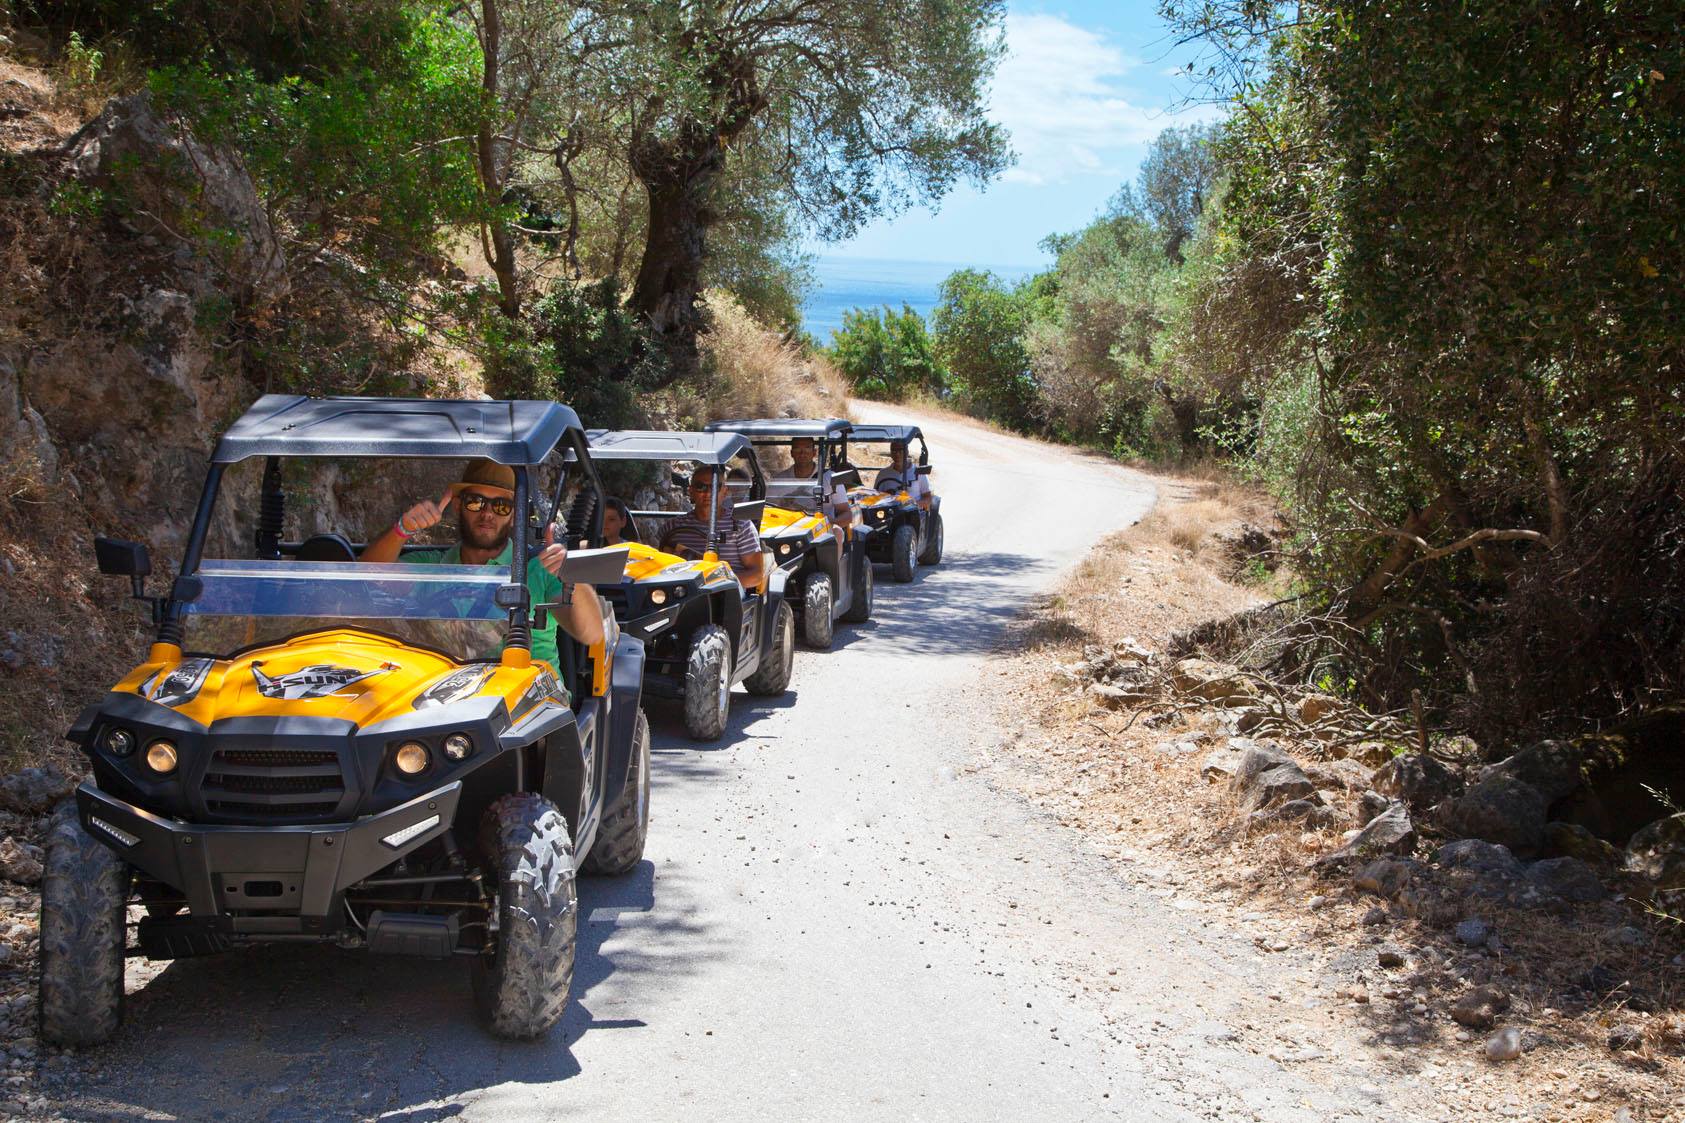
(399, 527)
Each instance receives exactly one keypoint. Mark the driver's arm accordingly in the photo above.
(584, 619)
(418, 518)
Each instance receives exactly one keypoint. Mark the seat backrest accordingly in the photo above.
(326, 548)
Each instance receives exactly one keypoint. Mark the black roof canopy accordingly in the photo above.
(878, 434)
(651, 444)
(507, 432)
(783, 428)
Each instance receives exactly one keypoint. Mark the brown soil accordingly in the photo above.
(1128, 780)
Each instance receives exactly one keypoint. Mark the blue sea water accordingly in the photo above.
(844, 283)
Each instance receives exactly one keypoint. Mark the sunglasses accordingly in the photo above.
(472, 501)
(704, 486)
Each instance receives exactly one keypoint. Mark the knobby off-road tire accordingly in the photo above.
(708, 683)
(817, 625)
(773, 675)
(903, 553)
(932, 552)
(522, 988)
(620, 840)
(860, 608)
(84, 902)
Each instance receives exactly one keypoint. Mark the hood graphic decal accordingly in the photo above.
(177, 685)
(322, 680)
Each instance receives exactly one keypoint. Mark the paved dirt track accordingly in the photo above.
(835, 918)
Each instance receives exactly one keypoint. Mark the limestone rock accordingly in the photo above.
(1390, 832)
(33, 791)
(1384, 877)
(20, 861)
(1418, 779)
(1499, 809)
(1657, 853)
(1551, 768)
(1311, 812)
(1314, 707)
(1478, 855)
(1479, 1008)
(1215, 682)
(1505, 1045)
(1568, 878)
(1266, 776)
(1220, 766)
(1115, 697)
(1344, 775)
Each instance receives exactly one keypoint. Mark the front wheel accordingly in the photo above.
(521, 987)
(773, 675)
(903, 551)
(817, 625)
(932, 553)
(620, 840)
(708, 683)
(84, 902)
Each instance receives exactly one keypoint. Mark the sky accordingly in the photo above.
(1085, 87)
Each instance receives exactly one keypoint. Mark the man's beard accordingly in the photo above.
(493, 541)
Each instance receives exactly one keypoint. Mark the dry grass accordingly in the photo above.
(758, 373)
(1130, 783)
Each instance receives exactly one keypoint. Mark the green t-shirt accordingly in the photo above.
(543, 587)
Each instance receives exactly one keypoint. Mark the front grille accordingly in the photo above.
(273, 783)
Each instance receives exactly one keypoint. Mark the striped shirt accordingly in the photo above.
(738, 538)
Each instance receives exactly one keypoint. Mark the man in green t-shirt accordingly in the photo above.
(485, 500)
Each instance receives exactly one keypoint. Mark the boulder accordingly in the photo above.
(1657, 853)
(34, 791)
(1343, 775)
(167, 183)
(1384, 877)
(1266, 776)
(20, 861)
(1314, 707)
(1372, 753)
(1390, 832)
(1479, 856)
(1570, 840)
(1215, 682)
(1551, 768)
(1309, 811)
(1115, 697)
(1371, 804)
(1418, 779)
(1567, 878)
(1499, 809)
(1479, 1008)
(1220, 766)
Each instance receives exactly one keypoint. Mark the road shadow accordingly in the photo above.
(306, 1033)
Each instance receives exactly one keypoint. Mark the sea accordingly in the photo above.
(845, 283)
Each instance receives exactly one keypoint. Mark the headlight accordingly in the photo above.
(459, 746)
(411, 758)
(659, 596)
(161, 757)
(784, 549)
(118, 742)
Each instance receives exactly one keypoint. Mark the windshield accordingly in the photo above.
(451, 608)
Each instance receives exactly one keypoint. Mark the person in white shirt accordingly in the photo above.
(804, 465)
(903, 475)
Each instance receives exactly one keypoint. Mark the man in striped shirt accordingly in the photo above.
(738, 543)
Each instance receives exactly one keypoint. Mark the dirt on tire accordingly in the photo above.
(523, 990)
(707, 686)
(818, 629)
(84, 901)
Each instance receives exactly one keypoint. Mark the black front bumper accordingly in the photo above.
(265, 880)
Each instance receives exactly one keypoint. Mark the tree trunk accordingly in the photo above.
(670, 275)
(498, 247)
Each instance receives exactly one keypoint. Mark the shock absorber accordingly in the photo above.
(271, 511)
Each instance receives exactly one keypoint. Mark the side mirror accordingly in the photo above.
(117, 558)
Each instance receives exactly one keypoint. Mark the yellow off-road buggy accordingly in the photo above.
(906, 535)
(827, 583)
(324, 750)
(704, 631)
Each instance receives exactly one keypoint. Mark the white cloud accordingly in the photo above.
(1058, 91)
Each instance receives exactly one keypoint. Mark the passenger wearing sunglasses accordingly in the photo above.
(485, 500)
(738, 543)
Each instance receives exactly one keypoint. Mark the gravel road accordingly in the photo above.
(837, 918)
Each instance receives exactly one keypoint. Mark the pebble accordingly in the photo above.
(1626, 1038)
(1317, 902)
(1374, 916)
(1505, 1045)
(1473, 932)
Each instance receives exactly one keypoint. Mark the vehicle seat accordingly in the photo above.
(326, 548)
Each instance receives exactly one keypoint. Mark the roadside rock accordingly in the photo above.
(20, 861)
(1314, 815)
(1570, 840)
(1657, 853)
(1505, 1045)
(1215, 682)
(1372, 753)
(1345, 775)
(1116, 697)
(1418, 779)
(34, 791)
(1551, 768)
(1371, 804)
(1390, 832)
(1499, 809)
(1314, 707)
(1480, 1007)
(1479, 856)
(1626, 1038)
(1473, 932)
(1385, 877)
(1267, 776)
(1220, 766)
(1568, 878)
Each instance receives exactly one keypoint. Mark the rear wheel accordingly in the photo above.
(860, 608)
(521, 987)
(84, 901)
(817, 626)
(932, 552)
(620, 840)
(773, 675)
(708, 683)
(903, 551)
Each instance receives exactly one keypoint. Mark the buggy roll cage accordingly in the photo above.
(882, 434)
(826, 433)
(716, 450)
(518, 434)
